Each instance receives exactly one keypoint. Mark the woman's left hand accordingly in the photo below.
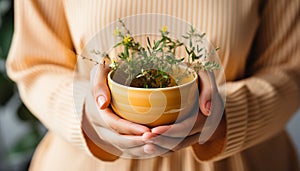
(187, 132)
(176, 136)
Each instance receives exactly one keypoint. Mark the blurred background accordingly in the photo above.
(20, 131)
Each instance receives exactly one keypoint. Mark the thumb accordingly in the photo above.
(100, 89)
(205, 92)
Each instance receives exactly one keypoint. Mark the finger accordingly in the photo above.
(175, 144)
(140, 152)
(189, 126)
(93, 139)
(108, 119)
(205, 93)
(100, 89)
(147, 151)
(147, 136)
(135, 152)
(120, 141)
(149, 148)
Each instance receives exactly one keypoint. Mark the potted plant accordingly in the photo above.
(151, 85)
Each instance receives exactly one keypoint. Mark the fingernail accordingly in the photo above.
(101, 101)
(149, 149)
(208, 105)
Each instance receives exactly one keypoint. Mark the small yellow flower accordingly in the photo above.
(127, 39)
(114, 64)
(164, 29)
(117, 32)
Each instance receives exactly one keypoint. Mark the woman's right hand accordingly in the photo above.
(111, 132)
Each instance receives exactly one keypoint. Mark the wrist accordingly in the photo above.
(93, 141)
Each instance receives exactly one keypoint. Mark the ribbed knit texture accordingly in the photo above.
(259, 51)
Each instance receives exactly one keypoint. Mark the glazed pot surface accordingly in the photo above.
(155, 106)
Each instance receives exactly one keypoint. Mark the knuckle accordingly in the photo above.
(115, 127)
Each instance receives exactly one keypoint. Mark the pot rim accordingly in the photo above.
(195, 75)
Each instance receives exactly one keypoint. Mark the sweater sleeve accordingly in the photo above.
(42, 63)
(259, 106)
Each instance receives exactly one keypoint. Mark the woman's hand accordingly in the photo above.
(187, 132)
(106, 128)
(137, 140)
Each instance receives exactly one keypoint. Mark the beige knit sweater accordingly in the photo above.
(260, 51)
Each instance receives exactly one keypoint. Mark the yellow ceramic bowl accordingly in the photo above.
(155, 106)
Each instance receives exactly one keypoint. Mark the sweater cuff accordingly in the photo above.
(214, 146)
(233, 128)
(73, 103)
(236, 119)
(93, 148)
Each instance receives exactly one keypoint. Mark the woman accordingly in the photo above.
(260, 55)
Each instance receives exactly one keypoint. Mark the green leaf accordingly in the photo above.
(186, 37)
(179, 44)
(187, 51)
(191, 43)
(199, 56)
(118, 44)
(121, 56)
(165, 76)
(156, 44)
(126, 52)
(199, 49)
(192, 29)
(193, 56)
(181, 59)
(202, 35)
(149, 43)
